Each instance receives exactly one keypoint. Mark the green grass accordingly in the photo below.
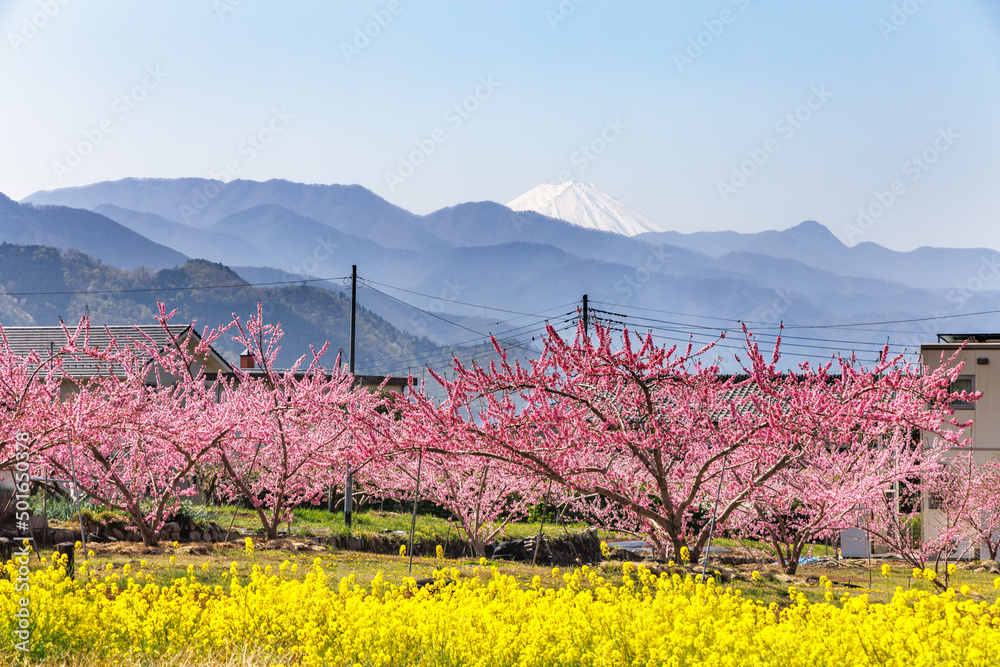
(166, 564)
(212, 568)
(318, 522)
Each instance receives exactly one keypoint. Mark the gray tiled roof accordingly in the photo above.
(23, 340)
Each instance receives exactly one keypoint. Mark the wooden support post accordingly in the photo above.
(6, 550)
(67, 549)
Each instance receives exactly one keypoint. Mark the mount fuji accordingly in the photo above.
(584, 205)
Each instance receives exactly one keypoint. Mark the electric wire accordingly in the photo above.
(175, 289)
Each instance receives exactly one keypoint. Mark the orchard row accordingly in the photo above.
(635, 437)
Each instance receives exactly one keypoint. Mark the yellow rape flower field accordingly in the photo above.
(287, 615)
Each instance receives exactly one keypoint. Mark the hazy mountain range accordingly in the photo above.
(525, 266)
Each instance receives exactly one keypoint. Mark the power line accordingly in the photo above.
(912, 319)
(816, 326)
(690, 336)
(440, 350)
(783, 336)
(427, 312)
(542, 315)
(464, 303)
(174, 289)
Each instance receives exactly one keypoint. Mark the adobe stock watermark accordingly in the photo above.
(585, 154)
(786, 128)
(982, 278)
(913, 169)
(370, 30)
(224, 7)
(22, 582)
(900, 16)
(249, 150)
(562, 12)
(453, 117)
(775, 311)
(420, 321)
(631, 283)
(703, 40)
(324, 249)
(33, 24)
(122, 107)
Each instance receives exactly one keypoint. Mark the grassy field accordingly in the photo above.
(211, 564)
(171, 567)
(319, 522)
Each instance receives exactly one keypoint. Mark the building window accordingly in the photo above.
(965, 383)
(934, 501)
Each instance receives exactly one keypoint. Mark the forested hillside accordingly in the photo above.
(40, 284)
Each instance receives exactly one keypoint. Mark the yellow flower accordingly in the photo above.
(917, 573)
(965, 590)
(886, 570)
(248, 546)
(176, 544)
(685, 555)
(605, 550)
(755, 576)
(668, 619)
(929, 574)
(482, 561)
(439, 551)
(952, 569)
(402, 550)
(78, 544)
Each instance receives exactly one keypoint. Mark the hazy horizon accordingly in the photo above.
(731, 115)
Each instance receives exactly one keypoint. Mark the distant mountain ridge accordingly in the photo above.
(200, 203)
(89, 232)
(309, 315)
(426, 273)
(813, 244)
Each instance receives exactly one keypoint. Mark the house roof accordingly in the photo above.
(359, 380)
(47, 340)
(969, 338)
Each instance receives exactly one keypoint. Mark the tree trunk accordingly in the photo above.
(478, 547)
(149, 537)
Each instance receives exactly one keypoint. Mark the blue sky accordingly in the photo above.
(736, 114)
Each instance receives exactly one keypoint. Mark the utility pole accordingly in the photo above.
(586, 316)
(349, 485)
(354, 311)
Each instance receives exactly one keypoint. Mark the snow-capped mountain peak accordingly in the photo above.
(584, 205)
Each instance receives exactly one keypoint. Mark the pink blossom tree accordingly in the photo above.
(292, 430)
(967, 494)
(137, 429)
(650, 431)
(857, 429)
(824, 493)
(29, 389)
(483, 494)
